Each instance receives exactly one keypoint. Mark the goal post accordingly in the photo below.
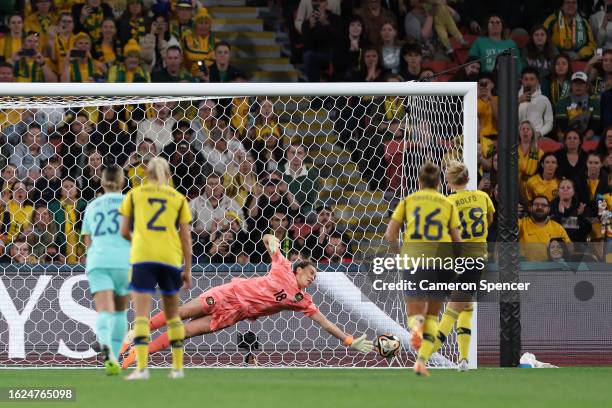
(363, 143)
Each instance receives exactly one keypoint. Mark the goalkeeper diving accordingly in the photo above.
(282, 288)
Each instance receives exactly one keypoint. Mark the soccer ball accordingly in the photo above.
(387, 345)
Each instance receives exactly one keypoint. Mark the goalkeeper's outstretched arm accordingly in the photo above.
(360, 344)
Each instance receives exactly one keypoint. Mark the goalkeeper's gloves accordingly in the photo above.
(273, 244)
(361, 344)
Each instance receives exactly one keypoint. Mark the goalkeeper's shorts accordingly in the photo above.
(114, 279)
(221, 303)
(146, 276)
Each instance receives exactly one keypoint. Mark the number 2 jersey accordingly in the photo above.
(102, 222)
(156, 212)
(272, 293)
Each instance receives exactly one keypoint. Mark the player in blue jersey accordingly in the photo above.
(108, 255)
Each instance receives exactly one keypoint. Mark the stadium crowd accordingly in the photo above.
(231, 158)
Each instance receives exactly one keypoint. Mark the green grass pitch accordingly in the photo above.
(312, 388)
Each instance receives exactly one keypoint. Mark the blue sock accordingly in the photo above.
(104, 323)
(120, 327)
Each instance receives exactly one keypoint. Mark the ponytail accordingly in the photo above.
(112, 178)
(158, 171)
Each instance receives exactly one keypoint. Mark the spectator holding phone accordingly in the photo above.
(199, 46)
(28, 63)
(533, 106)
(79, 65)
(88, 17)
(319, 34)
(601, 23)
(13, 40)
(41, 18)
(599, 70)
(60, 40)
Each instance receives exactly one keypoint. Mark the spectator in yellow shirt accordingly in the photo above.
(487, 114)
(546, 181)
(529, 154)
(570, 32)
(79, 65)
(131, 70)
(182, 23)
(18, 211)
(60, 40)
(13, 40)
(199, 45)
(28, 63)
(41, 19)
(537, 230)
(107, 49)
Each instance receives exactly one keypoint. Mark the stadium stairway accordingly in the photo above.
(361, 212)
(255, 50)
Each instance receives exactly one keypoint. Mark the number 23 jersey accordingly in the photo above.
(156, 212)
(272, 293)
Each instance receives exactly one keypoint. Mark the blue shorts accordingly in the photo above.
(146, 276)
(113, 279)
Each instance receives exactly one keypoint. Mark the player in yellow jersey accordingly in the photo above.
(475, 213)
(431, 225)
(156, 219)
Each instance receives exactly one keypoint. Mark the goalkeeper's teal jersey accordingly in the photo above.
(102, 222)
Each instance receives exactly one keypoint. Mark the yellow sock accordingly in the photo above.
(445, 326)
(430, 329)
(464, 332)
(141, 341)
(414, 321)
(176, 335)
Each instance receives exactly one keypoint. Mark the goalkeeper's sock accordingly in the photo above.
(464, 332)
(160, 343)
(176, 335)
(141, 341)
(445, 326)
(119, 329)
(104, 322)
(430, 328)
(157, 321)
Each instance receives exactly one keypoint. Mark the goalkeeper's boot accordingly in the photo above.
(463, 366)
(138, 375)
(110, 363)
(420, 368)
(129, 359)
(174, 374)
(416, 338)
(127, 342)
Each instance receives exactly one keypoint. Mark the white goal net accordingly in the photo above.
(322, 171)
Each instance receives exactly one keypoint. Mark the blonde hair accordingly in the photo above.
(457, 173)
(112, 178)
(158, 170)
(429, 175)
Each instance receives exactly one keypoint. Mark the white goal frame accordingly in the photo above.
(141, 92)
